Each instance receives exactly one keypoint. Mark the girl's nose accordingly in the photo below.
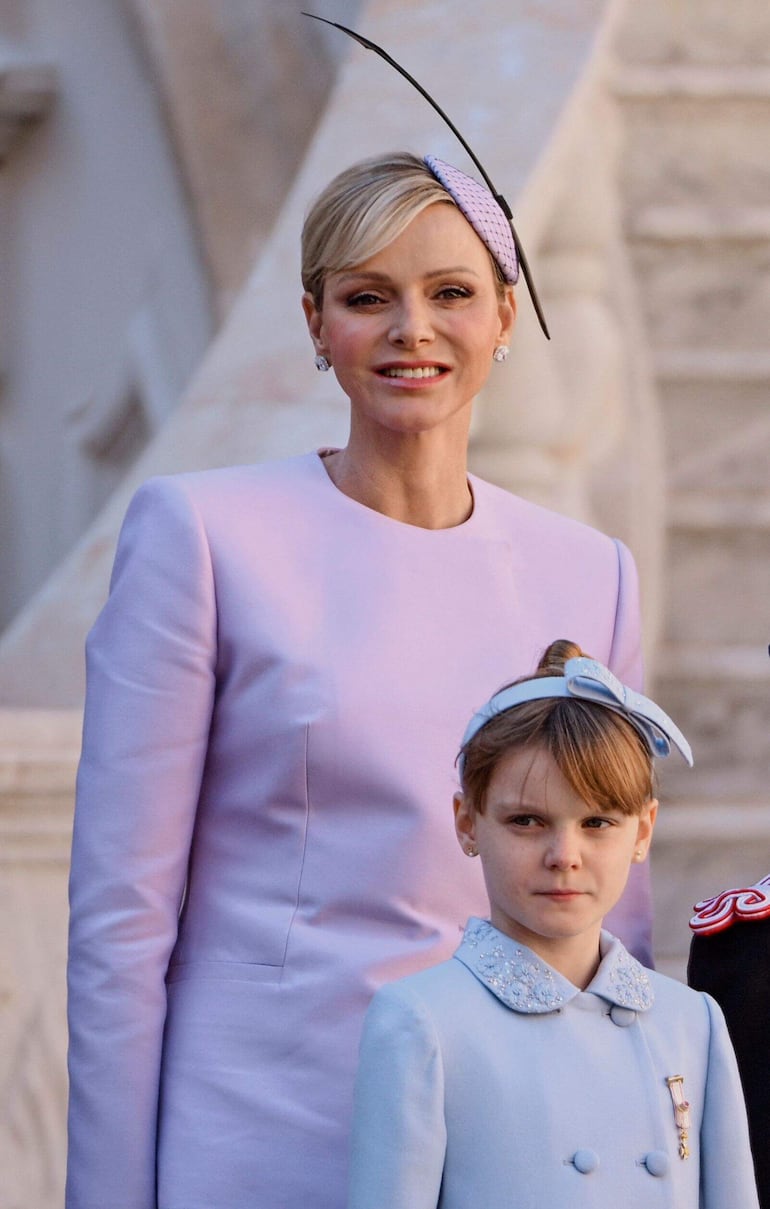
(411, 325)
(563, 851)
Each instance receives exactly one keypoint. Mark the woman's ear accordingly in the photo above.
(314, 320)
(507, 314)
(465, 823)
(645, 828)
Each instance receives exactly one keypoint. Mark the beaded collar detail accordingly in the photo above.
(524, 983)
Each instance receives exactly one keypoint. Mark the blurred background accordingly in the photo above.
(156, 159)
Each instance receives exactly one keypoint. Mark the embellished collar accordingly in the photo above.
(524, 983)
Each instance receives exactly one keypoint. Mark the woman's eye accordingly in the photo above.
(363, 299)
(450, 292)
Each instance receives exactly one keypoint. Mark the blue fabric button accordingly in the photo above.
(585, 1161)
(622, 1016)
(657, 1162)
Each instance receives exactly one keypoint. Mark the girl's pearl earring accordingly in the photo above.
(471, 850)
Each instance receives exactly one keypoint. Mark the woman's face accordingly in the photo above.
(411, 331)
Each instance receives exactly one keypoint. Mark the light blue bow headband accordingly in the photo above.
(587, 680)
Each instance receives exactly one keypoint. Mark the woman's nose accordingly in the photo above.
(411, 325)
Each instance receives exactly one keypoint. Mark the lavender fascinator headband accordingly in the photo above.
(485, 209)
(587, 680)
(483, 213)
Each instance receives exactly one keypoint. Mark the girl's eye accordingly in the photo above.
(599, 823)
(525, 821)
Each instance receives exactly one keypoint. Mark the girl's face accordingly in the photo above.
(411, 331)
(554, 864)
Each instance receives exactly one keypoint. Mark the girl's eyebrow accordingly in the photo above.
(519, 806)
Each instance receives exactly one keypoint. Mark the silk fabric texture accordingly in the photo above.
(277, 687)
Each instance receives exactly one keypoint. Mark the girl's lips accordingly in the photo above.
(559, 893)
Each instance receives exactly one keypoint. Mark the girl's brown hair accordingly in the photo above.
(601, 755)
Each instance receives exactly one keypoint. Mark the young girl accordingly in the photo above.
(543, 1067)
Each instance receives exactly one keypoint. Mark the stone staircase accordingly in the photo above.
(693, 83)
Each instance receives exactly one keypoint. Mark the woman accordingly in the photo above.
(275, 688)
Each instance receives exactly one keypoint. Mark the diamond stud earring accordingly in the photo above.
(321, 364)
(501, 353)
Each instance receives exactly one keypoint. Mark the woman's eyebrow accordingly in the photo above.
(374, 275)
(362, 275)
(453, 268)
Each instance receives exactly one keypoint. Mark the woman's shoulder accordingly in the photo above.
(224, 505)
(287, 475)
(513, 514)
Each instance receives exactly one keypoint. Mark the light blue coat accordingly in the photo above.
(491, 1082)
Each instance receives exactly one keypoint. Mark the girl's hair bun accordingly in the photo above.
(556, 655)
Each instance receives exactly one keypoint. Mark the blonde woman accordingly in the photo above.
(275, 687)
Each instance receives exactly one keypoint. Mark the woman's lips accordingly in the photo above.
(412, 372)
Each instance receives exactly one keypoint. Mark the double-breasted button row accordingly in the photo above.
(656, 1162)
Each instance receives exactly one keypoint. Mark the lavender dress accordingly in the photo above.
(276, 690)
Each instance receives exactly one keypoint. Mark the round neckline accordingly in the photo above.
(464, 527)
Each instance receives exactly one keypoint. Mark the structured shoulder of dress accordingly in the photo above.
(289, 476)
(514, 512)
(275, 471)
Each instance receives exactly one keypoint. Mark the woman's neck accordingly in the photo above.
(410, 481)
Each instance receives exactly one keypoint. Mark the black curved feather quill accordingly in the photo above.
(501, 201)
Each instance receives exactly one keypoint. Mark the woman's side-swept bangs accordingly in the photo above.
(362, 210)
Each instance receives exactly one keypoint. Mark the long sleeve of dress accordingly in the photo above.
(399, 1132)
(150, 690)
(727, 1173)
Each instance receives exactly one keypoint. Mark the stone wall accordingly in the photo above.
(693, 83)
(145, 147)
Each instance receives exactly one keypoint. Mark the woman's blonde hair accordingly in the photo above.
(600, 754)
(362, 210)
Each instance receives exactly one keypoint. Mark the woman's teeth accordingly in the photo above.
(422, 371)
